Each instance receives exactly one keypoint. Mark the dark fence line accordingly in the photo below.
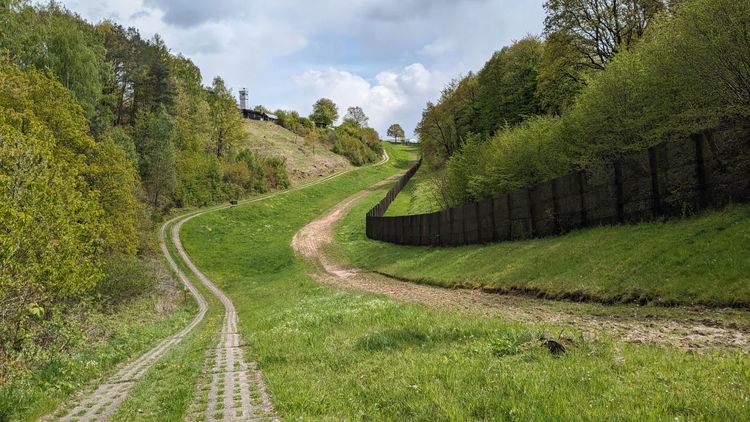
(670, 179)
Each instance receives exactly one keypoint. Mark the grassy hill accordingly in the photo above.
(304, 162)
(701, 260)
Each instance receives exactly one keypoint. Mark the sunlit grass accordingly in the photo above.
(334, 355)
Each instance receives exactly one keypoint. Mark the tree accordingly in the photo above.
(155, 134)
(507, 85)
(598, 29)
(396, 131)
(324, 113)
(51, 224)
(582, 37)
(357, 116)
(226, 122)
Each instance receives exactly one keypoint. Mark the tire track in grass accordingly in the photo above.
(101, 403)
(236, 389)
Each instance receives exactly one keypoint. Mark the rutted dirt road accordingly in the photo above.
(687, 328)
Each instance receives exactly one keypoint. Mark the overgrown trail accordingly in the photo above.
(684, 328)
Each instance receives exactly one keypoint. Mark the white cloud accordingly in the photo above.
(384, 100)
(277, 49)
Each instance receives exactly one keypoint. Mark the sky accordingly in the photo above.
(387, 56)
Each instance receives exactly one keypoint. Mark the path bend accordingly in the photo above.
(694, 329)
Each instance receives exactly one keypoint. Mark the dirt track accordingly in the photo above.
(231, 388)
(688, 328)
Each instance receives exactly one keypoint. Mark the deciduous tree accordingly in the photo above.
(356, 116)
(324, 113)
(396, 131)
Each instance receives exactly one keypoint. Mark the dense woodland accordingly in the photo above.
(607, 78)
(101, 133)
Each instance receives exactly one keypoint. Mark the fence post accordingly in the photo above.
(510, 216)
(700, 170)
(618, 192)
(653, 162)
(582, 192)
(493, 224)
(532, 228)
(556, 206)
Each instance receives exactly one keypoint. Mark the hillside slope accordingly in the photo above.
(303, 161)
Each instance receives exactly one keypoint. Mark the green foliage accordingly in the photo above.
(325, 113)
(447, 125)
(396, 131)
(226, 122)
(361, 145)
(292, 121)
(154, 140)
(62, 42)
(514, 158)
(508, 85)
(51, 221)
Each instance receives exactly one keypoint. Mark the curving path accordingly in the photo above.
(109, 395)
(232, 388)
(688, 328)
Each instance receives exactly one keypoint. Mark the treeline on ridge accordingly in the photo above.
(352, 139)
(608, 78)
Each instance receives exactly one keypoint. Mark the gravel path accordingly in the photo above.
(687, 328)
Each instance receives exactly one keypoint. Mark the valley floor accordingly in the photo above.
(370, 351)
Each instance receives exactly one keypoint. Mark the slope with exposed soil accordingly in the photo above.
(304, 162)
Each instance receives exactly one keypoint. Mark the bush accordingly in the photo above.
(516, 157)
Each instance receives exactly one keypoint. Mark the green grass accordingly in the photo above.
(168, 389)
(131, 330)
(698, 260)
(418, 196)
(334, 355)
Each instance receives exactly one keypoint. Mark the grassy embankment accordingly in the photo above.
(339, 355)
(100, 338)
(699, 260)
(418, 196)
(304, 162)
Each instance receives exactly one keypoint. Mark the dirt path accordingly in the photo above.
(683, 328)
(232, 388)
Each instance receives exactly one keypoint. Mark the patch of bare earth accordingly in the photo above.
(686, 328)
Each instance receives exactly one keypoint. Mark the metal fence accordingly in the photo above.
(671, 179)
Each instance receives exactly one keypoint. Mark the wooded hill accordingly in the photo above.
(101, 133)
(606, 79)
